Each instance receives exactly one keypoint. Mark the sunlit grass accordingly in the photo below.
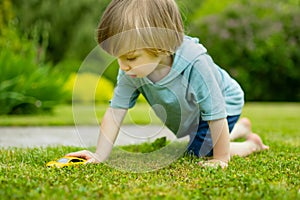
(79, 114)
(261, 113)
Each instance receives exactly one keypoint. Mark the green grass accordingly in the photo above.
(91, 115)
(273, 174)
(63, 115)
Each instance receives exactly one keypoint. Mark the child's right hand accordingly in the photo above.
(89, 156)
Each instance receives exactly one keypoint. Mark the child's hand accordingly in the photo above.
(214, 164)
(89, 156)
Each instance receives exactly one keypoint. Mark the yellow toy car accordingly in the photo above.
(66, 161)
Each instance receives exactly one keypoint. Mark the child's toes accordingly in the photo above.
(258, 141)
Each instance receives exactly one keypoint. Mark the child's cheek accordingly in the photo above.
(146, 68)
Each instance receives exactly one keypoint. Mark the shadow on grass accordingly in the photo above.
(146, 157)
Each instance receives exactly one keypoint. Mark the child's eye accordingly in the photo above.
(131, 59)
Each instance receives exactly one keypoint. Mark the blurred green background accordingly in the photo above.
(43, 44)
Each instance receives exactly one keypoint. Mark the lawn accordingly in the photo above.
(273, 174)
(65, 115)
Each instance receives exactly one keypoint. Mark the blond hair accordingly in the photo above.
(127, 25)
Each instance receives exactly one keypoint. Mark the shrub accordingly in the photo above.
(87, 87)
(70, 25)
(25, 86)
(258, 42)
(6, 13)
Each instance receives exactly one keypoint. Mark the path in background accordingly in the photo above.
(82, 136)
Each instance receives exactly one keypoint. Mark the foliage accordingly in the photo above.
(25, 85)
(210, 7)
(69, 25)
(88, 87)
(263, 43)
(187, 9)
(6, 13)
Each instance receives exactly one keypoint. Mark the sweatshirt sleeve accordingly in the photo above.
(125, 93)
(206, 82)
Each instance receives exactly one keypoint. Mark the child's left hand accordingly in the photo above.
(213, 163)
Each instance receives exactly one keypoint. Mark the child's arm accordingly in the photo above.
(109, 130)
(221, 143)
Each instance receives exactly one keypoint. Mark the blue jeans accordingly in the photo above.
(200, 143)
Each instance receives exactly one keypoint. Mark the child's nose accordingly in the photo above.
(124, 67)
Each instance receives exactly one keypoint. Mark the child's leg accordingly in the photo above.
(241, 129)
(201, 143)
(251, 145)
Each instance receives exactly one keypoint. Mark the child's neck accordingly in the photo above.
(162, 69)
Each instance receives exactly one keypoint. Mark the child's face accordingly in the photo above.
(139, 64)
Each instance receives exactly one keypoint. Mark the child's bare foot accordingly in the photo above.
(246, 122)
(259, 146)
